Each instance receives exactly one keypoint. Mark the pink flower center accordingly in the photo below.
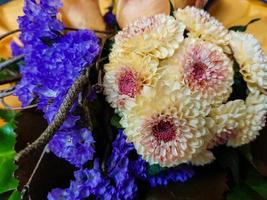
(198, 72)
(164, 131)
(204, 68)
(223, 138)
(128, 83)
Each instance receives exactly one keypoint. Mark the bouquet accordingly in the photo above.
(146, 105)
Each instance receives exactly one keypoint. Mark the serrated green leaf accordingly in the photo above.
(115, 121)
(7, 138)
(243, 28)
(7, 154)
(7, 168)
(8, 116)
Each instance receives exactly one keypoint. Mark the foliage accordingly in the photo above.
(8, 73)
(243, 28)
(7, 167)
(254, 187)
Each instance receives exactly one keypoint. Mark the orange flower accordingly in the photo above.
(82, 14)
(130, 10)
(183, 3)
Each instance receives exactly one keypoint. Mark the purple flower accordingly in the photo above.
(52, 63)
(61, 194)
(40, 22)
(110, 18)
(172, 175)
(74, 145)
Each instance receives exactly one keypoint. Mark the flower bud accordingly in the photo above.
(130, 10)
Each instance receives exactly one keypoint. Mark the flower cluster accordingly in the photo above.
(119, 181)
(52, 63)
(171, 80)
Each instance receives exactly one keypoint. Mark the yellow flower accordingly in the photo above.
(128, 77)
(167, 130)
(158, 35)
(252, 60)
(200, 24)
(202, 67)
(183, 3)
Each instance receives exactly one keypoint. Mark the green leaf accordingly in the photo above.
(115, 121)
(257, 183)
(7, 138)
(7, 154)
(15, 195)
(8, 73)
(172, 9)
(8, 116)
(154, 169)
(243, 192)
(243, 28)
(7, 167)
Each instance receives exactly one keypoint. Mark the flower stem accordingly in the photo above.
(11, 61)
(8, 33)
(58, 120)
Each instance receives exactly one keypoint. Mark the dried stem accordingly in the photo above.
(26, 188)
(60, 116)
(96, 31)
(7, 92)
(11, 61)
(9, 33)
(11, 80)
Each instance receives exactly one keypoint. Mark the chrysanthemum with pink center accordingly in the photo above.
(203, 68)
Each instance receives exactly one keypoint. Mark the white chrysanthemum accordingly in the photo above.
(252, 122)
(200, 66)
(128, 77)
(200, 24)
(250, 56)
(167, 130)
(157, 35)
(203, 158)
(226, 119)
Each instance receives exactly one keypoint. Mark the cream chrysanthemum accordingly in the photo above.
(203, 158)
(202, 67)
(157, 35)
(200, 24)
(250, 56)
(252, 122)
(226, 119)
(167, 130)
(128, 77)
(239, 122)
